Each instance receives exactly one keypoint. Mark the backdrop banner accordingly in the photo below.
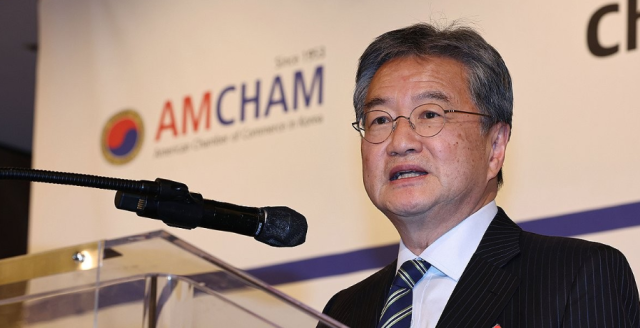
(249, 102)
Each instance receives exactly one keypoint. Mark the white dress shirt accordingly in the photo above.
(448, 256)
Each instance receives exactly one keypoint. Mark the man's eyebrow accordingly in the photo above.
(426, 95)
(374, 102)
(431, 95)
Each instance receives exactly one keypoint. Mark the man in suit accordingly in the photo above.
(433, 107)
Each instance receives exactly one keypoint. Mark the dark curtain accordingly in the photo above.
(14, 206)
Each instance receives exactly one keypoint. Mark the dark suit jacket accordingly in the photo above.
(518, 279)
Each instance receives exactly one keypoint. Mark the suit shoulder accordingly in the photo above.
(577, 249)
(559, 242)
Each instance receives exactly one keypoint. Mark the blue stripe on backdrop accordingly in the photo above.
(581, 223)
(326, 266)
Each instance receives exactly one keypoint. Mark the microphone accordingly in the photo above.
(177, 207)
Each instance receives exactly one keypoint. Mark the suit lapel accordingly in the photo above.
(361, 304)
(484, 287)
(379, 293)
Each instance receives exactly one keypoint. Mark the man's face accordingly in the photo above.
(412, 177)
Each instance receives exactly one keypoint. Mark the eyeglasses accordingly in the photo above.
(426, 120)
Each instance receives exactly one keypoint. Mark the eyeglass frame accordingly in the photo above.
(356, 124)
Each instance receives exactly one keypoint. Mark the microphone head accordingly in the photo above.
(283, 227)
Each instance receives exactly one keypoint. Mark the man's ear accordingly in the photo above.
(499, 135)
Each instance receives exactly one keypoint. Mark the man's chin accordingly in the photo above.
(408, 210)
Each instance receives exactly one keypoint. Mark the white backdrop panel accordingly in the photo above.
(574, 145)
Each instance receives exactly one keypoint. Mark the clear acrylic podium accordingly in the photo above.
(144, 281)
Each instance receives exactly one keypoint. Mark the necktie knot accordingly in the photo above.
(410, 273)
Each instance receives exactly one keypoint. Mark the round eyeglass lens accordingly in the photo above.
(427, 120)
(376, 126)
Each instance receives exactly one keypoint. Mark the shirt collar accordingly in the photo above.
(451, 253)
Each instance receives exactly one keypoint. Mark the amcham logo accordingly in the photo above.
(122, 137)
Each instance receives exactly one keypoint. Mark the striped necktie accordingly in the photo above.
(397, 310)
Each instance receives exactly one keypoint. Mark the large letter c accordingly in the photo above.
(592, 32)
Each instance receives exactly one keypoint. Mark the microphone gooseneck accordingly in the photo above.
(75, 179)
(172, 203)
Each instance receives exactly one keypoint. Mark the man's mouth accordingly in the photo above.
(407, 174)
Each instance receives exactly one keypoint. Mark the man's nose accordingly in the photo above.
(404, 138)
